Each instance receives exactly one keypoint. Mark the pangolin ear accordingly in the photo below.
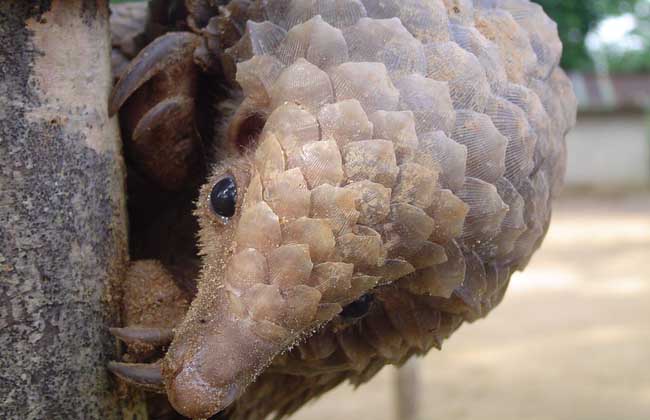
(245, 128)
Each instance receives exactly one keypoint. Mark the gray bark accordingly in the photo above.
(63, 242)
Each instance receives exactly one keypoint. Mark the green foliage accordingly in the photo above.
(576, 18)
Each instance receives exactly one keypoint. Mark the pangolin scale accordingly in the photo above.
(388, 165)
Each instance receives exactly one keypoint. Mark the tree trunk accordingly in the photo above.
(63, 240)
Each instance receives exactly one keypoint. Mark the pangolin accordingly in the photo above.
(376, 171)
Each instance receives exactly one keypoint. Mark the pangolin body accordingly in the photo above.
(392, 164)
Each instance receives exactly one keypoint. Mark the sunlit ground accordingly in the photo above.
(571, 340)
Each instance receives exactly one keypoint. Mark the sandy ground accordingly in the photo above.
(571, 340)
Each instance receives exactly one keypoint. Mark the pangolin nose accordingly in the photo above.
(195, 398)
(206, 371)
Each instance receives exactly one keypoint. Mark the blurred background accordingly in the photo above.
(572, 338)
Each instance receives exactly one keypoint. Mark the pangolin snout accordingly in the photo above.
(192, 396)
(206, 373)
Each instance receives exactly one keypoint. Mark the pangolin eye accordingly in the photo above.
(223, 197)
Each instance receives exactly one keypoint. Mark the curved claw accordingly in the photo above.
(141, 374)
(167, 50)
(138, 335)
(176, 111)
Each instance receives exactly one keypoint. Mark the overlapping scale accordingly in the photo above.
(460, 11)
(426, 20)
(486, 52)
(468, 84)
(536, 193)
(513, 125)
(316, 41)
(368, 83)
(500, 27)
(404, 171)
(304, 84)
(442, 279)
(541, 29)
(448, 212)
(474, 285)
(430, 102)
(486, 212)
(486, 146)
(447, 118)
(529, 102)
(436, 150)
(344, 122)
(388, 42)
(399, 128)
(338, 13)
(260, 38)
(513, 226)
(257, 76)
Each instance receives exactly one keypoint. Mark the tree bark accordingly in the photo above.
(63, 237)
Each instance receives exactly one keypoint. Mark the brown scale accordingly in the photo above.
(319, 188)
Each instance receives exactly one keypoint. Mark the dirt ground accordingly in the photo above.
(571, 341)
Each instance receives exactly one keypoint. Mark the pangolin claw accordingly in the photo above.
(168, 113)
(141, 335)
(160, 55)
(141, 374)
